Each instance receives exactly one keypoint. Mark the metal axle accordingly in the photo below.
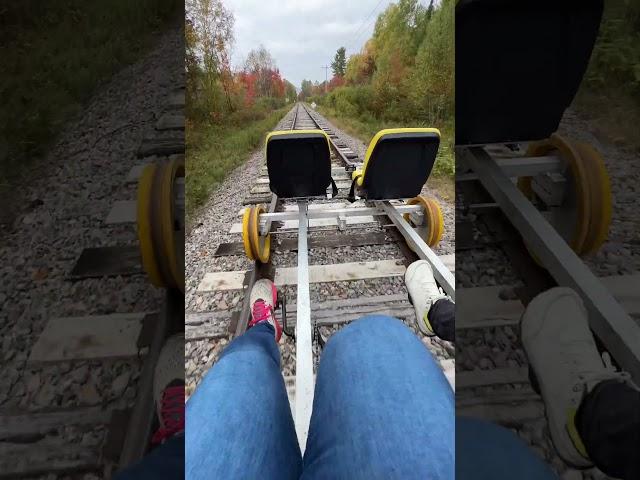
(338, 213)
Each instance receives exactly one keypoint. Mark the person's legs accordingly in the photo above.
(239, 422)
(485, 451)
(382, 407)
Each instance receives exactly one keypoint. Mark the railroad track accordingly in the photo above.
(343, 287)
(492, 378)
(103, 434)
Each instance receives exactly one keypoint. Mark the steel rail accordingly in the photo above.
(348, 163)
(441, 273)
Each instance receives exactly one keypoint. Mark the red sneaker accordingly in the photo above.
(264, 296)
(168, 389)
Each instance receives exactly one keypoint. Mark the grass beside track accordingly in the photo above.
(214, 150)
(54, 55)
(442, 178)
(612, 115)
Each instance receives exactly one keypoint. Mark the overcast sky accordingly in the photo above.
(302, 35)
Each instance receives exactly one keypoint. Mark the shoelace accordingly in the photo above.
(584, 379)
(441, 296)
(171, 414)
(609, 373)
(262, 311)
(426, 285)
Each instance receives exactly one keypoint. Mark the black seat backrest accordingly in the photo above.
(299, 163)
(518, 65)
(399, 164)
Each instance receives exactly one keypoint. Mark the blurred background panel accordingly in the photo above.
(91, 93)
(546, 178)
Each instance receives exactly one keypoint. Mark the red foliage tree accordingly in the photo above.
(336, 81)
(248, 81)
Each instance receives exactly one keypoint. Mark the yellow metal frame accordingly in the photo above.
(261, 245)
(376, 138)
(279, 133)
(143, 207)
(256, 246)
(600, 195)
(593, 190)
(246, 216)
(155, 188)
(433, 217)
(173, 171)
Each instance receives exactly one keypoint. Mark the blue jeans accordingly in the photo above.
(382, 409)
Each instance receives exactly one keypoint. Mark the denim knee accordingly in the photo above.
(375, 328)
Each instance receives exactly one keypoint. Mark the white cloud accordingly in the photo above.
(302, 35)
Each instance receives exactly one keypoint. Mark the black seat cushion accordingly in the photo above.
(299, 164)
(400, 165)
(518, 65)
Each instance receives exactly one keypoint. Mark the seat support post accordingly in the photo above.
(304, 353)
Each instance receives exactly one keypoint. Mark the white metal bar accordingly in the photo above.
(272, 208)
(304, 355)
(521, 167)
(336, 213)
(441, 273)
(617, 330)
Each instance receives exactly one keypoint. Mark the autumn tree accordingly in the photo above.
(306, 89)
(432, 79)
(361, 66)
(289, 91)
(209, 38)
(260, 63)
(339, 64)
(405, 71)
(261, 72)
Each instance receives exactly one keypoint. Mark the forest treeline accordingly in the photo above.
(216, 93)
(402, 76)
(227, 110)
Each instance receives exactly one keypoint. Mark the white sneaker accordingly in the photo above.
(263, 298)
(423, 292)
(567, 364)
